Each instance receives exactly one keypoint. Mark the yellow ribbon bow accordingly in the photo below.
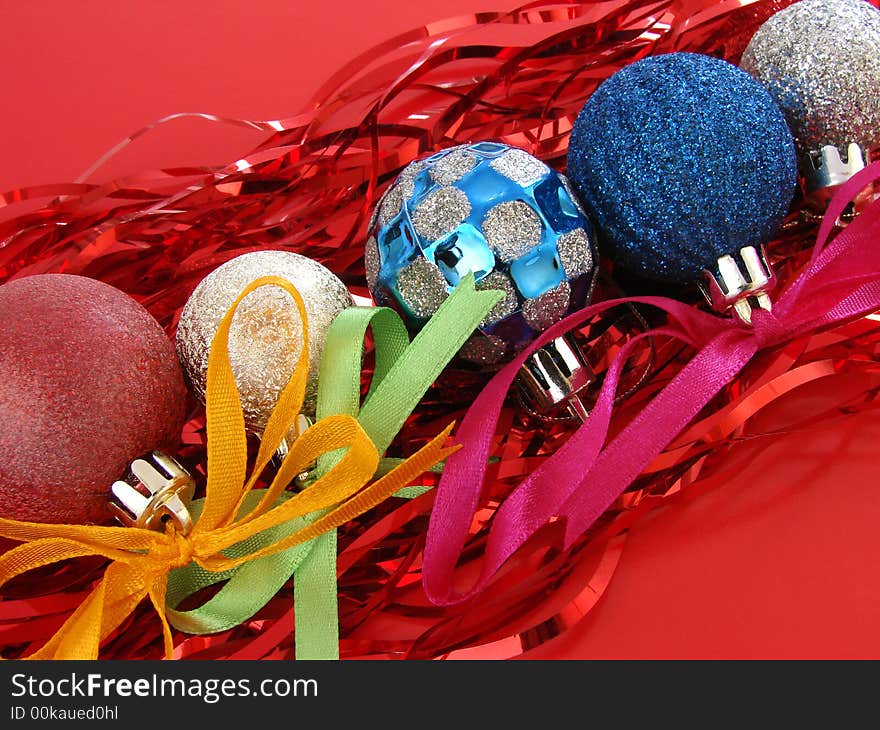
(141, 559)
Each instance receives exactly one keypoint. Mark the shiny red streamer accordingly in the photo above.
(310, 185)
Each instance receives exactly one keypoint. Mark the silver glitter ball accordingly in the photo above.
(265, 339)
(820, 60)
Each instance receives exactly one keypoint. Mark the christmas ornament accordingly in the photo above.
(88, 383)
(266, 336)
(820, 60)
(489, 209)
(688, 167)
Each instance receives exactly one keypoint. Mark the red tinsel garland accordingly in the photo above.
(310, 187)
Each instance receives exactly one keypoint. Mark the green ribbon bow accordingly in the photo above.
(403, 372)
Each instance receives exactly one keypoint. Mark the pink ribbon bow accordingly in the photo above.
(581, 480)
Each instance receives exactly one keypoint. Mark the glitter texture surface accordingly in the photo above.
(512, 229)
(491, 210)
(441, 213)
(88, 383)
(372, 262)
(549, 308)
(265, 339)
(390, 204)
(484, 349)
(520, 166)
(820, 60)
(507, 305)
(406, 181)
(575, 252)
(422, 287)
(453, 167)
(682, 158)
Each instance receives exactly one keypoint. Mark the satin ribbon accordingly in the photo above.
(231, 514)
(840, 282)
(402, 374)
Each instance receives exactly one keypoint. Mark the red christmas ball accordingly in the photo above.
(89, 381)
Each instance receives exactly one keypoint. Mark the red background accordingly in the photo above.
(779, 563)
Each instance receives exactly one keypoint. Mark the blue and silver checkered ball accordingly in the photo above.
(489, 209)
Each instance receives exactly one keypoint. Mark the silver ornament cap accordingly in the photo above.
(740, 284)
(266, 336)
(820, 60)
(825, 169)
(557, 375)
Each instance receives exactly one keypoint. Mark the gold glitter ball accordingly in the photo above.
(265, 339)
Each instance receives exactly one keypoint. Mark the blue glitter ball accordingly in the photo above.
(681, 159)
(489, 209)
